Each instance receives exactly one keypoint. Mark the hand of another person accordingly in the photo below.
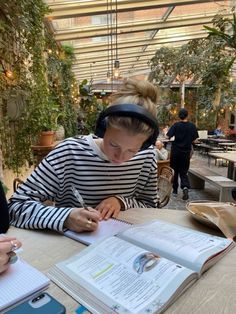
(81, 219)
(110, 207)
(7, 247)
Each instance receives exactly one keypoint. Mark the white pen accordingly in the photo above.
(79, 197)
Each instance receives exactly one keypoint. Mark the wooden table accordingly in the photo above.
(214, 292)
(40, 152)
(231, 158)
(227, 146)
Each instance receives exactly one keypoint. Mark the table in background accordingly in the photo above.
(231, 158)
(40, 152)
(214, 292)
(228, 145)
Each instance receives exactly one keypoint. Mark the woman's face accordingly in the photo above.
(120, 146)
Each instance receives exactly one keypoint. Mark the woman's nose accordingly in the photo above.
(119, 155)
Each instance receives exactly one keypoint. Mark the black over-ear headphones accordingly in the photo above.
(128, 110)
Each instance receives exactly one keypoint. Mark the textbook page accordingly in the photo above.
(119, 277)
(105, 228)
(182, 245)
(20, 281)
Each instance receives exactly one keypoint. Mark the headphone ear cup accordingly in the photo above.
(100, 128)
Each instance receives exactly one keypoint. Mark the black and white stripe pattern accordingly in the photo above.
(80, 162)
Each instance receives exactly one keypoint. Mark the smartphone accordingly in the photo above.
(42, 303)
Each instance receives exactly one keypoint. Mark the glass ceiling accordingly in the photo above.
(132, 35)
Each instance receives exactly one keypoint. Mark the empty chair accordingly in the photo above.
(164, 185)
(164, 188)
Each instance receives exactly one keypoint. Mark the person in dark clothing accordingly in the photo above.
(185, 134)
(4, 214)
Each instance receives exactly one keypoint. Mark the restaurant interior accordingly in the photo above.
(59, 63)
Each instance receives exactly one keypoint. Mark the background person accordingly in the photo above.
(218, 131)
(161, 152)
(185, 134)
(113, 170)
(165, 130)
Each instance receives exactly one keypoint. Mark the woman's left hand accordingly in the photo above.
(7, 247)
(110, 207)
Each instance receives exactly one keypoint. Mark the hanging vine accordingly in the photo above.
(26, 80)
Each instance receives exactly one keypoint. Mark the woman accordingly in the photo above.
(7, 244)
(113, 170)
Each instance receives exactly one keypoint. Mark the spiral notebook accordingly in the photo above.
(105, 229)
(19, 282)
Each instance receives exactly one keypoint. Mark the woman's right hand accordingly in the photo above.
(81, 219)
(7, 247)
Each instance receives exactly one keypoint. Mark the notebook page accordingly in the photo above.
(106, 228)
(19, 281)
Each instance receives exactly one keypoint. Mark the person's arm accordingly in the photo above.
(171, 132)
(146, 197)
(26, 205)
(4, 214)
(28, 211)
(162, 154)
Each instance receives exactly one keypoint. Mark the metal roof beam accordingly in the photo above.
(133, 27)
(127, 44)
(69, 9)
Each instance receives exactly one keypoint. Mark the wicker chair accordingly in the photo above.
(164, 185)
(161, 164)
(16, 183)
(167, 172)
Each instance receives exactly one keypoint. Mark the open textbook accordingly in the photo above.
(141, 270)
(105, 228)
(19, 282)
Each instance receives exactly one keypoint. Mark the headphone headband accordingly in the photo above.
(128, 110)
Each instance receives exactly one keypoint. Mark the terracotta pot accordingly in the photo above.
(46, 138)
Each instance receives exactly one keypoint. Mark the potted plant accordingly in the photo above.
(49, 123)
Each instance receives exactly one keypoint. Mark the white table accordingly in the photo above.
(214, 292)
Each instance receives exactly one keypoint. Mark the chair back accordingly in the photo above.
(16, 183)
(164, 185)
(167, 172)
(161, 164)
(164, 188)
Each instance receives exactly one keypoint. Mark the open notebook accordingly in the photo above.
(105, 229)
(19, 282)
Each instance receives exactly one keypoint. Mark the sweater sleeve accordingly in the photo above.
(146, 197)
(26, 206)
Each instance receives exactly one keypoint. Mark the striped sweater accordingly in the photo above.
(80, 162)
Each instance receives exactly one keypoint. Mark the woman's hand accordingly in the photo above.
(81, 219)
(7, 247)
(110, 207)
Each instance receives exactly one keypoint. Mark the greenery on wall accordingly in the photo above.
(90, 106)
(37, 75)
